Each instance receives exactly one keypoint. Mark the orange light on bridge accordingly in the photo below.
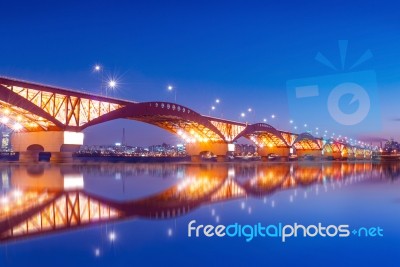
(73, 138)
(4, 120)
(17, 127)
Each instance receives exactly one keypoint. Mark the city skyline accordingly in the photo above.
(243, 58)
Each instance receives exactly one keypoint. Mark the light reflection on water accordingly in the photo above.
(45, 200)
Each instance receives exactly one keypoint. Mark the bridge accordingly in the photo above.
(51, 119)
(44, 204)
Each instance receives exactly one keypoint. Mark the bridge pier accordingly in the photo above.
(60, 144)
(218, 149)
(347, 155)
(221, 158)
(317, 153)
(367, 154)
(332, 155)
(195, 158)
(283, 152)
(360, 156)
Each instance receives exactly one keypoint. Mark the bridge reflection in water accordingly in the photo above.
(43, 199)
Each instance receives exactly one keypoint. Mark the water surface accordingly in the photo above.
(137, 214)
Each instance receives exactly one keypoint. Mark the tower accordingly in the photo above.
(123, 142)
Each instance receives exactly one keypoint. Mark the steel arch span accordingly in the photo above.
(174, 118)
(37, 107)
(307, 141)
(263, 135)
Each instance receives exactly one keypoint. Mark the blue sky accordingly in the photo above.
(243, 52)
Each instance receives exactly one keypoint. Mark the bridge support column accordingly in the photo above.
(221, 158)
(332, 155)
(195, 158)
(60, 144)
(317, 153)
(359, 155)
(218, 149)
(283, 152)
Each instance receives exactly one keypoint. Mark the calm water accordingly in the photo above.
(138, 214)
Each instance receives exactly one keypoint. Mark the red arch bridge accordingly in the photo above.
(52, 119)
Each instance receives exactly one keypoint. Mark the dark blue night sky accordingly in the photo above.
(242, 52)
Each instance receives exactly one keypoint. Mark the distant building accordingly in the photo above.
(391, 146)
(5, 141)
(124, 150)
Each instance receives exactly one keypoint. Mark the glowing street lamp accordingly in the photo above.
(170, 88)
(217, 101)
(17, 127)
(5, 120)
(243, 115)
(112, 84)
(99, 69)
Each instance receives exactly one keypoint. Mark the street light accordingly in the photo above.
(4, 120)
(99, 69)
(171, 88)
(243, 115)
(17, 127)
(217, 101)
(111, 84)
